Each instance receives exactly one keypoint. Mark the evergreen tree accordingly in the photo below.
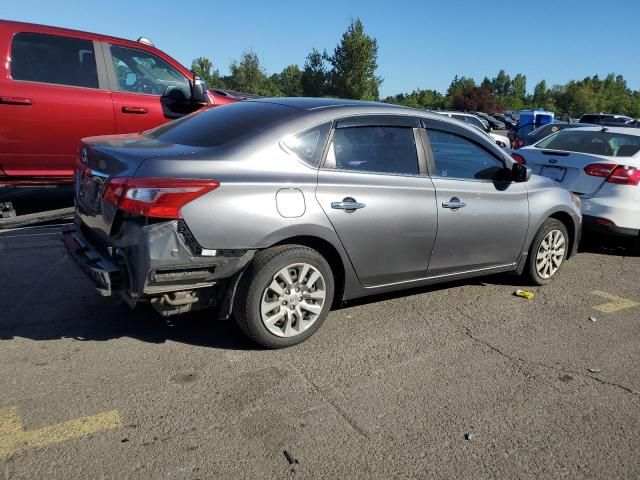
(355, 61)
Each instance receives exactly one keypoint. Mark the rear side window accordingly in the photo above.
(36, 57)
(309, 145)
(593, 142)
(374, 149)
(457, 157)
(224, 124)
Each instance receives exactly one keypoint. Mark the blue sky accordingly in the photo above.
(421, 43)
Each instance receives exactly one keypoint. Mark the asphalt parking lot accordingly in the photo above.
(388, 388)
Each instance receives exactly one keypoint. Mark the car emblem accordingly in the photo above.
(553, 160)
(84, 156)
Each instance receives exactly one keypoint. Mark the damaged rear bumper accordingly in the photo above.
(152, 261)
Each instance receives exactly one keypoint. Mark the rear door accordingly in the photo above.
(147, 90)
(483, 218)
(379, 199)
(55, 94)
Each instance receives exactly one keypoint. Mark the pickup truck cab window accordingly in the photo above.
(37, 57)
(138, 71)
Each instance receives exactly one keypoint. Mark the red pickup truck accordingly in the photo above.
(58, 86)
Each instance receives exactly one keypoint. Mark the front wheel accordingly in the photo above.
(285, 295)
(548, 251)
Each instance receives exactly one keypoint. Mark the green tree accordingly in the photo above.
(501, 85)
(248, 76)
(314, 79)
(355, 61)
(203, 67)
(290, 80)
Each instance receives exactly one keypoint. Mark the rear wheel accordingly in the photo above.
(285, 295)
(548, 251)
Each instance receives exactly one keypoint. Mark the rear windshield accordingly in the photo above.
(220, 125)
(594, 142)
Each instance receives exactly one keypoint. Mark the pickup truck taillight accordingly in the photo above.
(155, 197)
(618, 174)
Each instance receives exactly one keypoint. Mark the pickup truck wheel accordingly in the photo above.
(284, 296)
(548, 251)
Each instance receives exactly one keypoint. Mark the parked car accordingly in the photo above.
(494, 123)
(544, 131)
(602, 166)
(608, 119)
(60, 85)
(276, 209)
(481, 125)
(508, 121)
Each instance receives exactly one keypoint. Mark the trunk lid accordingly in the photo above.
(566, 168)
(104, 158)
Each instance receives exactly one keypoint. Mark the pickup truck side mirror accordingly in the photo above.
(520, 173)
(199, 90)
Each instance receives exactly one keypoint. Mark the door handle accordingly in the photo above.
(16, 101)
(455, 203)
(131, 109)
(347, 204)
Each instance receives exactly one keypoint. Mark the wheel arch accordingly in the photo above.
(569, 224)
(330, 253)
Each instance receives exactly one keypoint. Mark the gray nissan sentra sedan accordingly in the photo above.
(273, 210)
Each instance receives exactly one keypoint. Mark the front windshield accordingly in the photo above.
(593, 142)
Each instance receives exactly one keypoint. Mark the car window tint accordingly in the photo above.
(374, 149)
(53, 59)
(140, 72)
(220, 125)
(457, 157)
(593, 142)
(462, 118)
(309, 145)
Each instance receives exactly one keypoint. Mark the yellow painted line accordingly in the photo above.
(13, 436)
(615, 304)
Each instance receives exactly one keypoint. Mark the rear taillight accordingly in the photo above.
(618, 174)
(599, 169)
(155, 197)
(517, 143)
(624, 175)
(519, 158)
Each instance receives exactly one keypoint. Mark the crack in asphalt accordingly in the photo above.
(516, 359)
(344, 415)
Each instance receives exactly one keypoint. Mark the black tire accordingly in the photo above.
(548, 226)
(259, 274)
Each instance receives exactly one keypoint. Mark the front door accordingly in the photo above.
(147, 91)
(381, 206)
(55, 97)
(483, 217)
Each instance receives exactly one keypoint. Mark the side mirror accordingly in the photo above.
(520, 173)
(199, 90)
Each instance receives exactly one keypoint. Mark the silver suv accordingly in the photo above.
(273, 210)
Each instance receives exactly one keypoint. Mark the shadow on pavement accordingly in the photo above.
(609, 245)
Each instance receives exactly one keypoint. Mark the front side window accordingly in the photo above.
(456, 157)
(140, 72)
(374, 149)
(53, 59)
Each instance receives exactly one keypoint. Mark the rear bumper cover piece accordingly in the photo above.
(149, 260)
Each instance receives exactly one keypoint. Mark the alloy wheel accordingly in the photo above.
(550, 254)
(293, 300)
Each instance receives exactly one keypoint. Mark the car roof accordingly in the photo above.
(71, 32)
(312, 103)
(621, 130)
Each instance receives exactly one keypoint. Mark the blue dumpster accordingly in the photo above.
(532, 119)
